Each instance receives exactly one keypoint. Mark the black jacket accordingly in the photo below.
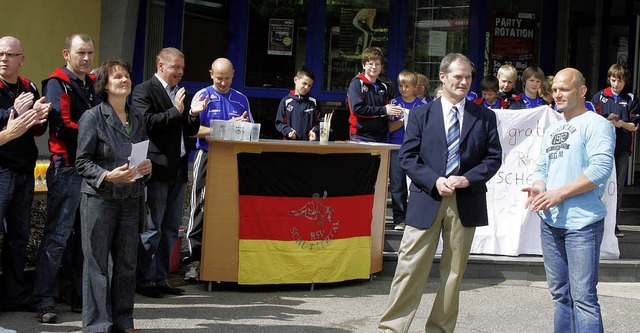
(21, 153)
(164, 126)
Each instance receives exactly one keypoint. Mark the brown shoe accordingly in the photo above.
(131, 330)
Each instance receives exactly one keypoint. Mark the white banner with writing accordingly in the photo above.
(512, 229)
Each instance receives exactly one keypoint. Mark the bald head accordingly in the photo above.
(221, 64)
(573, 75)
(11, 58)
(222, 74)
(10, 40)
(569, 91)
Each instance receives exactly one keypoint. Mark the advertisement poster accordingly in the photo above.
(437, 43)
(280, 37)
(512, 41)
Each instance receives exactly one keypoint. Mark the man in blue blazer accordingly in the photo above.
(451, 150)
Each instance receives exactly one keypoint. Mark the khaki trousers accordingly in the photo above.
(417, 250)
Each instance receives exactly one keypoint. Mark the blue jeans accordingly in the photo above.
(63, 201)
(165, 201)
(16, 197)
(571, 262)
(109, 230)
(398, 188)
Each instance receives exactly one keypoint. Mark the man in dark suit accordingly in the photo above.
(168, 126)
(451, 150)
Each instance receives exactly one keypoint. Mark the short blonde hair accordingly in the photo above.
(422, 80)
(408, 77)
(508, 71)
(439, 90)
(168, 53)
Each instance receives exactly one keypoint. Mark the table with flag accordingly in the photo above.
(281, 212)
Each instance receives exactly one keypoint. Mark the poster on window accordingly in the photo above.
(437, 43)
(280, 37)
(512, 41)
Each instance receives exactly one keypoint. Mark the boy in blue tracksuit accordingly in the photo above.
(532, 78)
(368, 100)
(620, 106)
(408, 88)
(489, 87)
(299, 113)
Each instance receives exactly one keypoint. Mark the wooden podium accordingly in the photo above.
(220, 239)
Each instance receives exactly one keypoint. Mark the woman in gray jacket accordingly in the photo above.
(111, 208)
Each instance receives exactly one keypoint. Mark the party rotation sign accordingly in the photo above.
(512, 41)
(305, 218)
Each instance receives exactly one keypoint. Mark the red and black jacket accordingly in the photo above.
(368, 114)
(499, 104)
(626, 107)
(70, 97)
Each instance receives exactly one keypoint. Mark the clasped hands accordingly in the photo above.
(447, 186)
(38, 114)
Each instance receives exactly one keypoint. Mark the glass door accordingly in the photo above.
(438, 27)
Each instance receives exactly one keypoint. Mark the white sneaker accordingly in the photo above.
(6, 330)
(400, 226)
(193, 272)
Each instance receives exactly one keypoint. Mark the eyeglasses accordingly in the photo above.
(373, 64)
(9, 55)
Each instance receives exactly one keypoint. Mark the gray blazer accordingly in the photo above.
(103, 145)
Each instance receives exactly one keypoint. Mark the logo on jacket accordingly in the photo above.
(603, 99)
(289, 108)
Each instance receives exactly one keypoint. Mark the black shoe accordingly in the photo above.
(170, 290)
(150, 291)
(47, 315)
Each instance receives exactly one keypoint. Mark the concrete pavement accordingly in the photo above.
(355, 306)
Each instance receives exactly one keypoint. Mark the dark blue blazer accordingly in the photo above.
(423, 156)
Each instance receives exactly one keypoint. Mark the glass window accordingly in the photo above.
(276, 42)
(351, 27)
(437, 27)
(153, 40)
(204, 37)
(513, 36)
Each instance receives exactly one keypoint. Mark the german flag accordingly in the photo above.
(305, 218)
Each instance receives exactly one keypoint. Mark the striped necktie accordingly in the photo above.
(453, 142)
